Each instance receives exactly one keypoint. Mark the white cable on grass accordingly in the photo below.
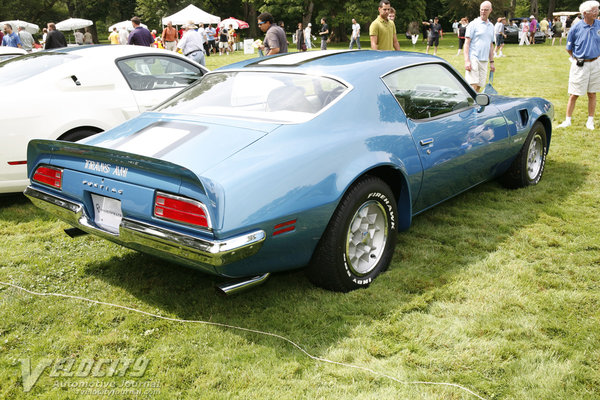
(306, 353)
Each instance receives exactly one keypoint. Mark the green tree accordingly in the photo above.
(39, 12)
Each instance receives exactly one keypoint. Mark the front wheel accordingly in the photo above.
(359, 241)
(528, 167)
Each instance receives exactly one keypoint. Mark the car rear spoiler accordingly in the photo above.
(39, 147)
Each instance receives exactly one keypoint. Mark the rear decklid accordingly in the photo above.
(194, 143)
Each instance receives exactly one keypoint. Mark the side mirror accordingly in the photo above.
(482, 99)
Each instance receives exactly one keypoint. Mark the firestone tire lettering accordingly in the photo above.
(348, 257)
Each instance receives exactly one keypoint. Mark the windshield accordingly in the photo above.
(278, 97)
(20, 68)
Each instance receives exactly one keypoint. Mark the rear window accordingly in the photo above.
(20, 68)
(277, 97)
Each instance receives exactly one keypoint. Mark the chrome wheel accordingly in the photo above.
(535, 156)
(366, 239)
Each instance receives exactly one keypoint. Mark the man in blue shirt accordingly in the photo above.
(140, 35)
(10, 38)
(212, 44)
(583, 45)
(479, 47)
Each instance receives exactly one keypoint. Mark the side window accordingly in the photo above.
(158, 72)
(426, 91)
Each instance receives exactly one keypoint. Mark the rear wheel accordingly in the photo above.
(528, 167)
(359, 241)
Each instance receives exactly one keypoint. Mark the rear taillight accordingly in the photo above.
(180, 209)
(49, 176)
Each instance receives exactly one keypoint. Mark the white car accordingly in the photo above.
(7, 52)
(75, 92)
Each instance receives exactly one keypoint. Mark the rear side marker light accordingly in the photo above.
(181, 209)
(284, 227)
(17, 162)
(49, 176)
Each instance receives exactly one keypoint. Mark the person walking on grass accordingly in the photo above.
(324, 33)
(435, 34)
(500, 35)
(355, 38)
(557, 31)
(479, 47)
(583, 46)
(462, 30)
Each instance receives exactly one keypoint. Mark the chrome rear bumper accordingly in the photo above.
(152, 239)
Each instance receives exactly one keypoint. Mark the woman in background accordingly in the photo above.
(300, 43)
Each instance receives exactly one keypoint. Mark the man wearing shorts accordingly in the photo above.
(583, 45)
(435, 33)
(223, 42)
(500, 35)
(479, 47)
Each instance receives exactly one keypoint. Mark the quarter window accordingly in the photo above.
(427, 91)
(158, 72)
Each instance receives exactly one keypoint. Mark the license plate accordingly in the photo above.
(107, 213)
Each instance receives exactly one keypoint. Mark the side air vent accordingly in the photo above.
(524, 115)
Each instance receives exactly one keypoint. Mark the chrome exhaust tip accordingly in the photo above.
(235, 287)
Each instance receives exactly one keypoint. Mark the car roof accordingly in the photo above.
(107, 49)
(346, 64)
(11, 50)
(109, 52)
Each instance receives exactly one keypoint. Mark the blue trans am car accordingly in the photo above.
(311, 159)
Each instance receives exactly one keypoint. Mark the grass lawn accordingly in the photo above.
(495, 290)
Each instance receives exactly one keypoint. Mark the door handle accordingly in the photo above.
(425, 142)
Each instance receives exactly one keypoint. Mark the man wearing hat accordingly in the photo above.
(307, 36)
(192, 43)
(532, 29)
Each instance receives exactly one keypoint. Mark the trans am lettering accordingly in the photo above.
(106, 168)
(120, 171)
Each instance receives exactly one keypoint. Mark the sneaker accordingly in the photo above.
(565, 124)
(590, 125)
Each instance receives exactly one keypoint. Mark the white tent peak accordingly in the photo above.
(191, 13)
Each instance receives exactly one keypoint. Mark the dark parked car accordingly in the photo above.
(512, 32)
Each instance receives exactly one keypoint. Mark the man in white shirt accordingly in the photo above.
(123, 35)
(307, 36)
(499, 32)
(479, 47)
(355, 38)
(26, 39)
(192, 44)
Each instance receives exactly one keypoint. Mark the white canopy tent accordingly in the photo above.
(15, 24)
(565, 13)
(191, 13)
(72, 24)
(127, 24)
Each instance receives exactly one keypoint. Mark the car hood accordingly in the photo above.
(196, 143)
